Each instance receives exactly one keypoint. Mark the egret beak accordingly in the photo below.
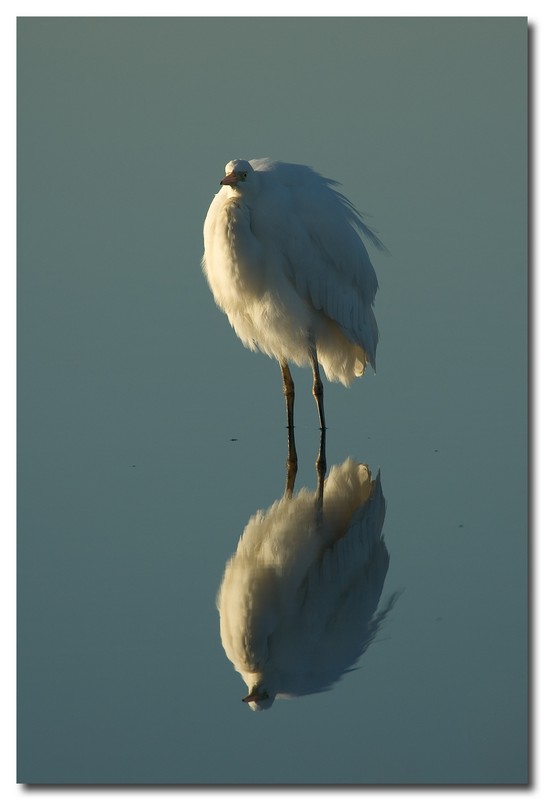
(230, 180)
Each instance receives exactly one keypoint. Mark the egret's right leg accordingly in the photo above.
(292, 460)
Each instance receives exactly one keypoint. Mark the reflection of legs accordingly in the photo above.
(292, 461)
(321, 468)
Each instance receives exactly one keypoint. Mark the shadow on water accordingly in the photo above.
(298, 600)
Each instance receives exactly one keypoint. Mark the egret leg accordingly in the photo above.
(321, 469)
(321, 463)
(292, 460)
(318, 387)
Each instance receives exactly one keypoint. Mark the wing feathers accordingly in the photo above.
(324, 255)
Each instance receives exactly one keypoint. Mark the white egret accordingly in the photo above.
(285, 261)
(298, 599)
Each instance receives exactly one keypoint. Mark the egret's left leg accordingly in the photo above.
(317, 387)
(321, 463)
(289, 393)
(321, 469)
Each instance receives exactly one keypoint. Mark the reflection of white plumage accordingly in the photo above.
(298, 599)
(285, 262)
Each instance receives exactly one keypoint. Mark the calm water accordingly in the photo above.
(148, 436)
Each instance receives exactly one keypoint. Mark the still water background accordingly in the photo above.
(148, 436)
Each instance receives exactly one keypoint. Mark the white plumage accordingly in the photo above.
(298, 599)
(284, 260)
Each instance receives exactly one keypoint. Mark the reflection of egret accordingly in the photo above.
(298, 599)
(285, 262)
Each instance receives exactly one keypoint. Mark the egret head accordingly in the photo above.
(238, 173)
(260, 698)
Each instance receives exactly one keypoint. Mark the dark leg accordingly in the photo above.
(321, 468)
(321, 463)
(292, 461)
(318, 388)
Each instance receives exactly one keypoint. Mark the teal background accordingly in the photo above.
(132, 386)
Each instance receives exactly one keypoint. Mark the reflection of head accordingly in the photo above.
(259, 698)
(299, 597)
